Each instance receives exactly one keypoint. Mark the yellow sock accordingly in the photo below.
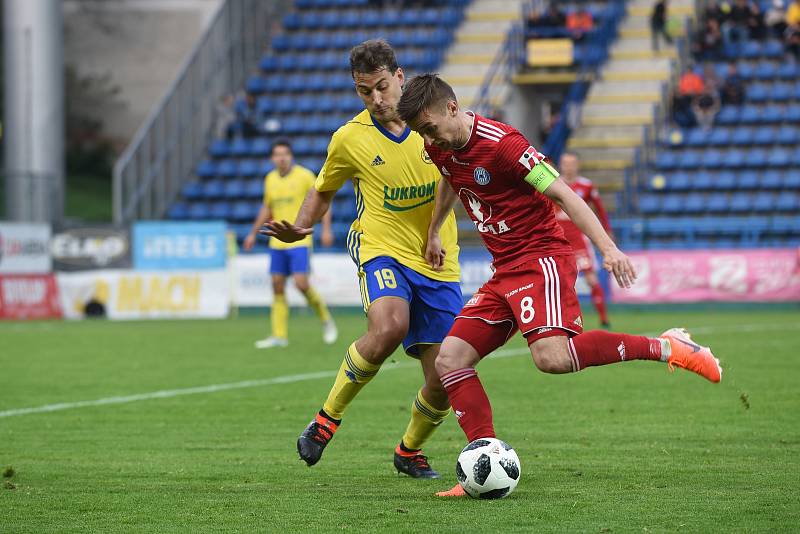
(353, 375)
(424, 420)
(280, 317)
(318, 305)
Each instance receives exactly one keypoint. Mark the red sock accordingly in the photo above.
(470, 403)
(598, 347)
(599, 301)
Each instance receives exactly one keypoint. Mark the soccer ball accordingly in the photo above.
(488, 468)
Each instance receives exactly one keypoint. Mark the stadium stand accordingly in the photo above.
(303, 92)
(735, 183)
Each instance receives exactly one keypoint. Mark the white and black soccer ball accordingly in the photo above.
(488, 468)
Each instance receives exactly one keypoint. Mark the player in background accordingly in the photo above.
(285, 187)
(569, 166)
(405, 299)
(508, 189)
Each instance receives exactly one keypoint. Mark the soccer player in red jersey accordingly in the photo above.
(569, 167)
(508, 189)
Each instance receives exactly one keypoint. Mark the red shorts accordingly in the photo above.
(537, 297)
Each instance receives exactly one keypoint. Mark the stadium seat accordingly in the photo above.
(247, 168)
(220, 210)
(265, 167)
(778, 157)
(178, 211)
(791, 180)
(771, 179)
(773, 49)
(717, 203)
(672, 204)
(240, 211)
(740, 203)
(690, 159)
(696, 137)
(233, 189)
(788, 70)
(227, 168)
(771, 114)
(792, 113)
(749, 114)
(713, 159)
(649, 204)
(695, 203)
(725, 180)
(678, 181)
(213, 188)
(786, 202)
(702, 181)
(747, 180)
(780, 92)
(728, 115)
(719, 136)
(763, 202)
(254, 188)
(219, 149)
(666, 160)
(755, 158)
(757, 92)
(787, 135)
(750, 49)
(206, 169)
(192, 191)
(766, 71)
(198, 211)
(240, 147)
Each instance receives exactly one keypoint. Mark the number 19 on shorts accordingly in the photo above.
(385, 278)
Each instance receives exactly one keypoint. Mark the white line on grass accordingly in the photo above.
(288, 379)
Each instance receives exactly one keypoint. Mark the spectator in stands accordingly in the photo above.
(552, 17)
(658, 23)
(707, 44)
(705, 107)
(579, 23)
(742, 17)
(247, 118)
(690, 86)
(732, 91)
(224, 117)
(792, 38)
(775, 19)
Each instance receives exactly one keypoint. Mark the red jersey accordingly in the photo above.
(516, 222)
(588, 192)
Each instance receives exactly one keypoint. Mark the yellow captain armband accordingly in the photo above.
(541, 176)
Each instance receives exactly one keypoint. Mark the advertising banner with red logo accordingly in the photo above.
(24, 248)
(758, 275)
(29, 296)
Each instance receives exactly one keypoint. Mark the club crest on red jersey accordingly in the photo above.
(482, 176)
(481, 213)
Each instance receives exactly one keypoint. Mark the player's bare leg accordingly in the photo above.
(429, 409)
(598, 297)
(279, 316)
(329, 331)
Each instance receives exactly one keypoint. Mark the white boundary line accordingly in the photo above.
(288, 379)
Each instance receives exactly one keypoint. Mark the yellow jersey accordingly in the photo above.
(284, 195)
(395, 184)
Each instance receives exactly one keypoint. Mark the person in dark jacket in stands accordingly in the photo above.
(658, 24)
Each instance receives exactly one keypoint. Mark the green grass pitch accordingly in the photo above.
(624, 448)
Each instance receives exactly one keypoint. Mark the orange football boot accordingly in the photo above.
(691, 356)
(455, 491)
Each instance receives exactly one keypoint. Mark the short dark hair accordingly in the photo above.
(372, 56)
(281, 142)
(425, 91)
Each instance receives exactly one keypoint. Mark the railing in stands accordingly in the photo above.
(162, 154)
(500, 72)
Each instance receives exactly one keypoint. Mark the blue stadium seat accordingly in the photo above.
(304, 105)
(273, 84)
(213, 188)
(302, 146)
(284, 104)
(247, 168)
(219, 149)
(319, 145)
(254, 188)
(268, 63)
(771, 114)
(678, 181)
(240, 147)
(666, 160)
(742, 135)
(206, 169)
(771, 179)
(756, 158)
(192, 191)
(787, 135)
(792, 113)
(690, 159)
(763, 202)
(371, 18)
(178, 211)
(766, 71)
(747, 180)
(778, 157)
(740, 203)
(725, 180)
(788, 70)
(763, 135)
(234, 188)
(717, 203)
(713, 159)
(265, 167)
(749, 114)
(696, 137)
(199, 210)
(780, 92)
(757, 92)
(240, 211)
(745, 69)
(695, 203)
(349, 19)
(728, 115)
(227, 168)
(293, 125)
(719, 136)
(773, 48)
(392, 18)
(255, 85)
(750, 49)
(786, 202)
(220, 210)
(265, 105)
(795, 157)
(702, 181)
(287, 62)
(672, 204)
(791, 180)
(649, 204)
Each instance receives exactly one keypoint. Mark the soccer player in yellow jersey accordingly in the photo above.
(284, 190)
(405, 299)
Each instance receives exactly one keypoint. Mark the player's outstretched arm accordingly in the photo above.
(614, 261)
(315, 205)
(446, 198)
(263, 216)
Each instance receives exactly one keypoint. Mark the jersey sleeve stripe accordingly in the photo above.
(487, 131)
(485, 136)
